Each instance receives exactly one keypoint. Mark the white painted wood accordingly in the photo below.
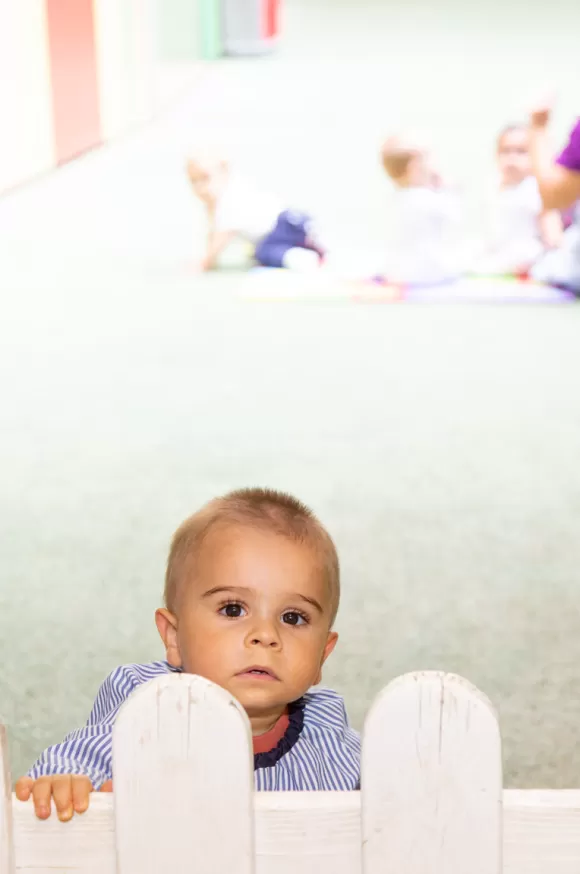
(431, 779)
(542, 832)
(183, 780)
(316, 832)
(308, 832)
(6, 831)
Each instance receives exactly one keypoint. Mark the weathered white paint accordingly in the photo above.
(6, 837)
(174, 810)
(431, 772)
(318, 831)
(183, 780)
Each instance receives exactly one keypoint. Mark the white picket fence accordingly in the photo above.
(431, 802)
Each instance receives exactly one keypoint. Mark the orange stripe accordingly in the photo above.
(73, 65)
(271, 16)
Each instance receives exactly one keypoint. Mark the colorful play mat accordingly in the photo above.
(282, 285)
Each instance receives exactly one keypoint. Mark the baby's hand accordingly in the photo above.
(541, 113)
(70, 793)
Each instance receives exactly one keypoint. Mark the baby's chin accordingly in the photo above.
(260, 698)
(514, 178)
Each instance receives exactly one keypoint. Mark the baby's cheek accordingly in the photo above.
(307, 661)
(205, 656)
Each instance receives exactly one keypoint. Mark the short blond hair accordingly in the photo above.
(204, 163)
(265, 509)
(396, 155)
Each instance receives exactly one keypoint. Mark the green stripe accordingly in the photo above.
(211, 29)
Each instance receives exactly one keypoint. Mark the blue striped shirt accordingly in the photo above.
(325, 756)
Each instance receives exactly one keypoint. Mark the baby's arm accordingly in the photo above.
(551, 228)
(68, 772)
(217, 239)
(559, 186)
(216, 243)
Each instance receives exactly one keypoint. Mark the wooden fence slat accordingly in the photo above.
(6, 830)
(183, 780)
(431, 779)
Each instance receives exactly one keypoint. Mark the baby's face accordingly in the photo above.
(254, 617)
(420, 171)
(513, 157)
(205, 178)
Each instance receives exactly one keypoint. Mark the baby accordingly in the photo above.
(520, 228)
(251, 593)
(236, 210)
(428, 216)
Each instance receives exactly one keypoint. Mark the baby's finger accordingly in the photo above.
(63, 796)
(81, 789)
(23, 788)
(42, 794)
(107, 787)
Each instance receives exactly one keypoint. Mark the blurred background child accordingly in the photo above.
(237, 210)
(427, 216)
(520, 228)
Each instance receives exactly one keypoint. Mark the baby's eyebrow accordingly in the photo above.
(219, 589)
(243, 590)
(313, 602)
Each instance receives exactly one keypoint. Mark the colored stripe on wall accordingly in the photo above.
(210, 15)
(271, 19)
(73, 67)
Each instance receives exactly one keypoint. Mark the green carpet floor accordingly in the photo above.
(440, 446)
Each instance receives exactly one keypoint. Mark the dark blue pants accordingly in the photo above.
(290, 232)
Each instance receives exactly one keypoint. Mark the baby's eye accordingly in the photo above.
(233, 610)
(291, 617)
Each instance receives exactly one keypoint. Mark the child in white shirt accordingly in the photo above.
(428, 217)
(520, 228)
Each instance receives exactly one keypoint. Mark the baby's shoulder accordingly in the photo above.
(325, 711)
(125, 678)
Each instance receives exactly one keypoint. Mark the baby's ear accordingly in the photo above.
(166, 624)
(329, 646)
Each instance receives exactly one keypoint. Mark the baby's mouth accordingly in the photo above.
(257, 672)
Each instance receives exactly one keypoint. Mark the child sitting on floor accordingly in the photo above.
(251, 593)
(427, 217)
(520, 228)
(236, 210)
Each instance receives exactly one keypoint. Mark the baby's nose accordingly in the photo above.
(265, 634)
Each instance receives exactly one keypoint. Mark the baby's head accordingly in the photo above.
(407, 162)
(207, 173)
(513, 154)
(251, 592)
